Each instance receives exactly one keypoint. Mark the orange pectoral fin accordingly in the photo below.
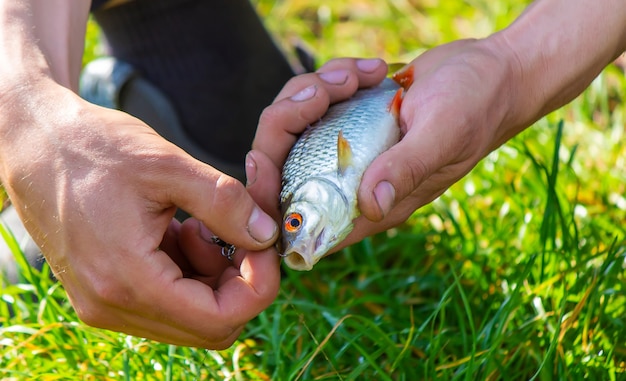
(396, 102)
(404, 77)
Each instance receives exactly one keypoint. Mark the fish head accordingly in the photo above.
(314, 224)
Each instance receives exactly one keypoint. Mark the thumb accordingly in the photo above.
(223, 205)
(389, 179)
(399, 171)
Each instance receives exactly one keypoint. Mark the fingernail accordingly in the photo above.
(250, 169)
(368, 65)
(261, 226)
(384, 194)
(305, 94)
(336, 77)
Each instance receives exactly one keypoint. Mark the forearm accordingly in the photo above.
(42, 37)
(41, 46)
(555, 49)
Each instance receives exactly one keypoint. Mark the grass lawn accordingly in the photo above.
(516, 273)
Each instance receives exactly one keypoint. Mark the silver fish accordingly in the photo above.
(324, 168)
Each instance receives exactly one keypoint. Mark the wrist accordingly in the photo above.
(27, 107)
(499, 78)
(512, 98)
(555, 49)
(40, 54)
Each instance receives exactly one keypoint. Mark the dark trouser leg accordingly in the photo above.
(213, 61)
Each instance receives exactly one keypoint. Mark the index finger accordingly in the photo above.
(241, 294)
(184, 311)
(305, 98)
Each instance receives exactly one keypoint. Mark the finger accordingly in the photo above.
(164, 298)
(241, 295)
(220, 336)
(170, 245)
(241, 298)
(205, 258)
(370, 71)
(340, 77)
(306, 98)
(157, 302)
(281, 123)
(219, 201)
(264, 182)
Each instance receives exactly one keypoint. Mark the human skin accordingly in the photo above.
(468, 98)
(97, 189)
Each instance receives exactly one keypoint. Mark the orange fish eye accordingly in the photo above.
(293, 222)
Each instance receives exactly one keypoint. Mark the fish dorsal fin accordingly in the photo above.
(344, 153)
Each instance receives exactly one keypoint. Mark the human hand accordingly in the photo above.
(97, 190)
(456, 111)
(303, 100)
(451, 117)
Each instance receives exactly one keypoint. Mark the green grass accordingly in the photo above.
(516, 273)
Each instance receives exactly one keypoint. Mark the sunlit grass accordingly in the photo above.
(515, 273)
(395, 30)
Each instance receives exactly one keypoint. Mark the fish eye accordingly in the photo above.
(293, 222)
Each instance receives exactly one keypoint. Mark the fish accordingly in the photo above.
(323, 170)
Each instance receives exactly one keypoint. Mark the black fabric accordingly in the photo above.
(95, 4)
(213, 59)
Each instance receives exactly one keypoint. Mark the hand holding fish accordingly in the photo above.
(323, 170)
(449, 117)
(464, 99)
(469, 97)
(425, 162)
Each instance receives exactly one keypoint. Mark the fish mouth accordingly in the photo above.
(299, 262)
(305, 261)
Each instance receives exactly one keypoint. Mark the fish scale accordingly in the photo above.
(321, 197)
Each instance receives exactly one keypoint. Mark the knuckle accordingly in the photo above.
(298, 81)
(338, 63)
(313, 112)
(269, 117)
(92, 314)
(414, 171)
(220, 343)
(346, 90)
(109, 292)
(221, 335)
(229, 195)
(88, 315)
(228, 188)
